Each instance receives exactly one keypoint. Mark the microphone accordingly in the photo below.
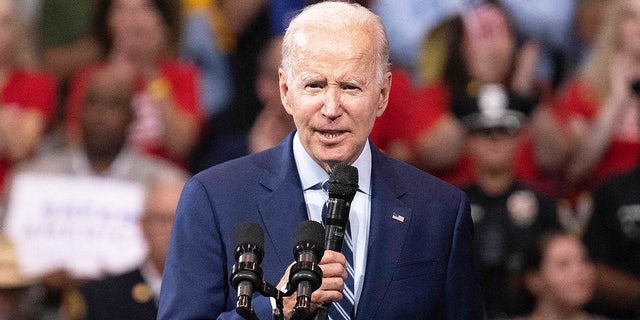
(635, 86)
(343, 185)
(305, 274)
(246, 274)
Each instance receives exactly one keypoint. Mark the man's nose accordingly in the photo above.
(332, 105)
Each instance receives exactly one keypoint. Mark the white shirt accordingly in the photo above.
(359, 217)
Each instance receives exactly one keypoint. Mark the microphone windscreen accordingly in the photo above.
(311, 232)
(249, 233)
(635, 86)
(343, 181)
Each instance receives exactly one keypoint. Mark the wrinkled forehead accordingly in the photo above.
(318, 45)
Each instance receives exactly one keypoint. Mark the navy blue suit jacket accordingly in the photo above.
(420, 268)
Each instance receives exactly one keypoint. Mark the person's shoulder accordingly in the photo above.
(610, 190)
(55, 161)
(114, 291)
(35, 76)
(147, 166)
(114, 281)
(620, 182)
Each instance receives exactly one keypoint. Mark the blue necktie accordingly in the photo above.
(345, 308)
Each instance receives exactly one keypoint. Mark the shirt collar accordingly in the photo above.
(311, 173)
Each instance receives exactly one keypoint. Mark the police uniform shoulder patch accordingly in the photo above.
(477, 213)
(522, 206)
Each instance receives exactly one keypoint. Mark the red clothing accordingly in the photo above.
(411, 112)
(430, 104)
(146, 133)
(390, 127)
(528, 172)
(623, 153)
(28, 90)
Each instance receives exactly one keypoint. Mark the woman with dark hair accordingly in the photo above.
(139, 39)
(559, 278)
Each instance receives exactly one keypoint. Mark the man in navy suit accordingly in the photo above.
(412, 233)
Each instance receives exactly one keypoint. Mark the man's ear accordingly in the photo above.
(384, 94)
(284, 91)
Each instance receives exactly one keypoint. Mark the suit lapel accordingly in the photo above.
(282, 207)
(390, 219)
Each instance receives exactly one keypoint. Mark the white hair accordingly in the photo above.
(335, 17)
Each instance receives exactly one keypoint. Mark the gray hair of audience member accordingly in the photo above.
(336, 17)
(165, 177)
(162, 195)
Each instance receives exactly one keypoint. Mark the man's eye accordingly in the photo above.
(314, 85)
(350, 87)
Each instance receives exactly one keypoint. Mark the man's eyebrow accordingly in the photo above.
(358, 81)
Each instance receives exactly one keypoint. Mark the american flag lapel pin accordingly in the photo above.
(397, 217)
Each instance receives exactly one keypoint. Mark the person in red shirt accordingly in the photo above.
(600, 108)
(27, 96)
(138, 38)
(596, 114)
(483, 58)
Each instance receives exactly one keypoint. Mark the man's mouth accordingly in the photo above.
(331, 134)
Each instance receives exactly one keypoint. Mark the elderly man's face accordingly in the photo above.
(333, 93)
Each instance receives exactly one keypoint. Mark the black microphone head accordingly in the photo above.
(309, 235)
(249, 236)
(635, 86)
(343, 182)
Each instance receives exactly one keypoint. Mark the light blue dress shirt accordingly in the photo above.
(359, 216)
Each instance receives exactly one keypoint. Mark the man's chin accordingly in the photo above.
(331, 161)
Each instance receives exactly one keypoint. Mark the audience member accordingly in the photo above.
(613, 239)
(106, 116)
(27, 96)
(485, 63)
(587, 20)
(65, 36)
(134, 295)
(208, 38)
(273, 123)
(225, 136)
(599, 106)
(410, 23)
(391, 132)
(19, 295)
(558, 277)
(508, 214)
(139, 36)
(550, 24)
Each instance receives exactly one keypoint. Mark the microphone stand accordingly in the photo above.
(245, 310)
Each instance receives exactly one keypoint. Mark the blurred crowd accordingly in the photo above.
(531, 107)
